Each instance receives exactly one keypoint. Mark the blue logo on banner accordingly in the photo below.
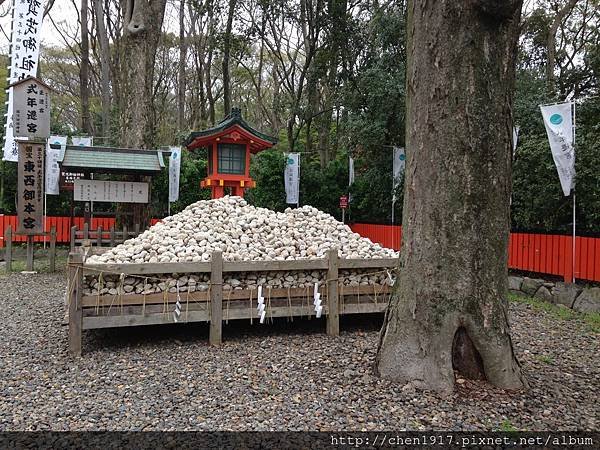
(290, 161)
(402, 157)
(556, 119)
(174, 155)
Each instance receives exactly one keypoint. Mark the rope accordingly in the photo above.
(269, 305)
(187, 303)
(145, 289)
(120, 291)
(290, 316)
(100, 287)
(251, 311)
(227, 309)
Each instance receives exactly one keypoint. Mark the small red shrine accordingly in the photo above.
(230, 144)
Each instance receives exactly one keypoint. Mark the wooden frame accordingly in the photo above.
(216, 305)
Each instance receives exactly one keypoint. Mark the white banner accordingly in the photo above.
(110, 191)
(292, 178)
(174, 170)
(52, 169)
(82, 141)
(558, 120)
(515, 139)
(350, 171)
(25, 46)
(398, 168)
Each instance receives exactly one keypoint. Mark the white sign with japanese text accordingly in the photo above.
(558, 120)
(25, 48)
(110, 191)
(52, 169)
(174, 170)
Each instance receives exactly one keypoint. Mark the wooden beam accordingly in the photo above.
(137, 320)
(259, 266)
(149, 268)
(216, 301)
(367, 263)
(333, 313)
(75, 306)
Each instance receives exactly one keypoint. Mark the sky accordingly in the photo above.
(64, 15)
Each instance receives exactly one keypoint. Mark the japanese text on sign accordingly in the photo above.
(30, 192)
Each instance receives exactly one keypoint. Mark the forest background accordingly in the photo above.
(327, 77)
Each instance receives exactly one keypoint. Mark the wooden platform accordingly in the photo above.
(216, 305)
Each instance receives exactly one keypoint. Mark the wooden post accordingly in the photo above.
(8, 248)
(52, 255)
(333, 306)
(136, 228)
(73, 237)
(216, 300)
(125, 232)
(86, 230)
(112, 236)
(75, 313)
(29, 266)
(99, 237)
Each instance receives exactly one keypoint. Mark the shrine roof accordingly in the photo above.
(233, 120)
(111, 160)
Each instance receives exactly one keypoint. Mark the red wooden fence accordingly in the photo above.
(541, 253)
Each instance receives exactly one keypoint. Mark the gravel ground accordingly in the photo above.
(267, 377)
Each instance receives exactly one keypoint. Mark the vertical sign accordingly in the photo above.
(30, 194)
(558, 120)
(25, 47)
(174, 170)
(292, 178)
(52, 169)
(31, 109)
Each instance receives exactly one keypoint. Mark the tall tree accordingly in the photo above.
(226, 55)
(449, 307)
(141, 32)
(104, 67)
(558, 19)
(84, 71)
(181, 73)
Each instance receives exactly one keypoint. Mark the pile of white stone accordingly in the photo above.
(243, 233)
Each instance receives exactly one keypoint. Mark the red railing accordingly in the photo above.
(63, 227)
(550, 254)
(542, 253)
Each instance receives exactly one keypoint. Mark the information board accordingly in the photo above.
(30, 194)
(110, 191)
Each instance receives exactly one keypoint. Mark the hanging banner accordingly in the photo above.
(30, 193)
(174, 170)
(52, 169)
(558, 120)
(515, 139)
(398, 168)
(350, 170)
(292, 178)
(82, 141)
(25, 48)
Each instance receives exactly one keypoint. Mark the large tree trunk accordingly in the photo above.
(226, 53)
(449, 307)
(182, 68)
(142, 28)
(104, 70)
(84, 71)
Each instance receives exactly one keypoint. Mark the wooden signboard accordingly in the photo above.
(31, 110)
(30, 194)
(110, 191)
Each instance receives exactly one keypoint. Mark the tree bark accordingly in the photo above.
(449, 306)
(142, 29)
(226, 53)
(84, 71)
(104, 69)
(182, 66)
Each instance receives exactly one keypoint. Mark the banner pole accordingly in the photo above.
(574, 190)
